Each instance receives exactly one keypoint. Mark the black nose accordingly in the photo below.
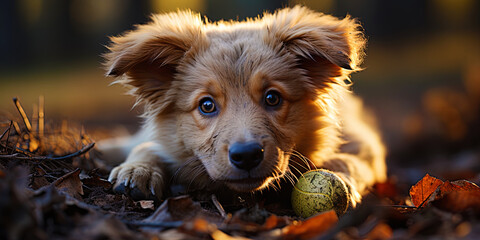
(245, 155)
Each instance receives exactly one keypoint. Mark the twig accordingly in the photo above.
(16, 156)
(22, 113)
(34, 118)
(6, 130)
(174, 224)
(8, 136)
(218, 206)
(400, 206)
(41, 115)
(17, 128)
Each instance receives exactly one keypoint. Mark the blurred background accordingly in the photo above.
(422, 76)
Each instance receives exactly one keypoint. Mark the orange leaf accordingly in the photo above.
(459, 201)
(275, 221)
(421, 191)
(381, 231)
(311, 227)
(458, 196)
(448, 186)
(386, 189)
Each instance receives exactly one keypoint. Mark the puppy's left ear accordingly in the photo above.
(317, 39)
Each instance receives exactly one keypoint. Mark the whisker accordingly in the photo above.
(296, 169)
(198, 170)
(308, 163)
(186, 167)
(290, 177)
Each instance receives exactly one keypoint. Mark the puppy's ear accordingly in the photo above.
(146, 58)
(317, 39)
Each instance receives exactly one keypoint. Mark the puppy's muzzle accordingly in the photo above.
(246, 155)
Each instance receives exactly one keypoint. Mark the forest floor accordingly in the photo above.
(53, 187)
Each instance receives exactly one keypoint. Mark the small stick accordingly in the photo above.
(17, 128)
(34, 117)
(6, 130)
(9, 132)
(218, 206)
(400, 206)
(43, 158)
(41, 115)
(22, 113)
(174, 224)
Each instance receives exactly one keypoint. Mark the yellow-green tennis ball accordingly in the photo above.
(318, 191)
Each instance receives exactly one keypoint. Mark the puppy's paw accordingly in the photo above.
(354, 197)
(140, 181)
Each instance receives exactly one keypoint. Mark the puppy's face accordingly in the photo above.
(242, 96)
(243, 108)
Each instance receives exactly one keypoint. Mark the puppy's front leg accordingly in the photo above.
(142, 175)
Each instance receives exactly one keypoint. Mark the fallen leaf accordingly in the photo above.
(198, 226)
(458, 196)
(423, 189)
(95, 226)
(96, 181)
(17, 218)
(181, 208)
(386, 189)
(146, 204)
(219, 235)
(175, 209)
(464, 185)
(311, 227)
(38, 179)
(275, 221)
(380, 231)
(70, 184)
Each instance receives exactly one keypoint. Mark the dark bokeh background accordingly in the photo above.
(422, 76)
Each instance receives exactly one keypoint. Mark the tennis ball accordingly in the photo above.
(318, 191)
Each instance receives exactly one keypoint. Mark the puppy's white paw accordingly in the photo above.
(138, 180)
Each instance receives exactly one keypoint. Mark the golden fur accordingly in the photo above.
(178, 59)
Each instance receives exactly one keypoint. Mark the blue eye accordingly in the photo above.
(207, 106)
(273, 98)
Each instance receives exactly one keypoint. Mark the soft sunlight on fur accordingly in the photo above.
(244, 104)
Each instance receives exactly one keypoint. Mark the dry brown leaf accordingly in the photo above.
(95, 226)
(386, 189)
(96, 181)
(380, 231)
(183, 209)
(462, 185)
(458, 196)
(459, 201)
(147, 204)
(219, 235)
(311, 227)
(275, 221)
(423, 189)
(70, 184)
(198, 226)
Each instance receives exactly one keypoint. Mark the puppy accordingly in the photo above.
(240, 105)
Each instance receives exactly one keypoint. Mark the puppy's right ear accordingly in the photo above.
(149, 55)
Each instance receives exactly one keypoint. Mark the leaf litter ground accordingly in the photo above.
(52, 187)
